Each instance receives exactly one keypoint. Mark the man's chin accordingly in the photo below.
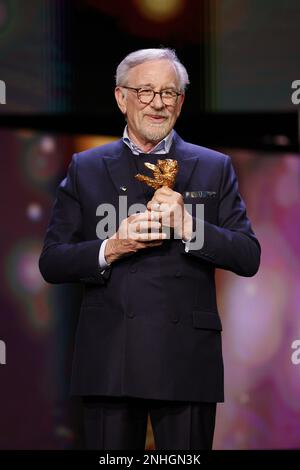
(157, 136)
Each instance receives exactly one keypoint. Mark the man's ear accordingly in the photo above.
(121, 99)
(180, 103)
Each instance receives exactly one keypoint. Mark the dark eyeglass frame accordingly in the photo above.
(137, 90)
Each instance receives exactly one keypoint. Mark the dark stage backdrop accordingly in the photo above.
(58, 60)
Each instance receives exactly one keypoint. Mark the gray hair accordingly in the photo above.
(145, 55)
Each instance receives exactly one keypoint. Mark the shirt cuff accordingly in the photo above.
(102, 261)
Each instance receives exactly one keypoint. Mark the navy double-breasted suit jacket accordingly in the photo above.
(149, 325)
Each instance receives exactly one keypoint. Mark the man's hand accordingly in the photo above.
(169, 204)
(136, 232)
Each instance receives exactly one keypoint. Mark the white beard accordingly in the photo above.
(155, 133)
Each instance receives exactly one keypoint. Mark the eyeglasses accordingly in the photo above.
(146, 95)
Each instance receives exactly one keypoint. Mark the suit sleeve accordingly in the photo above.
(232, 244)
(65, 256)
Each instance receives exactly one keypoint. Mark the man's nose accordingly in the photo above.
(157, 101)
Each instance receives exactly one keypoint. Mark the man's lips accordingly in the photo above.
(156, 117)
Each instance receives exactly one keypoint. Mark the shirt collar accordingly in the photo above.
(161, 148)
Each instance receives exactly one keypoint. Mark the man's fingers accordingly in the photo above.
(164, 191)
(148, 244)
(146, 226)
(145, 237)
(156, 206)
(147, 215)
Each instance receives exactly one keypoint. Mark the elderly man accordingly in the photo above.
(149, 334)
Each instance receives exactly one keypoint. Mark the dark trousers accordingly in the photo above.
(113, 423)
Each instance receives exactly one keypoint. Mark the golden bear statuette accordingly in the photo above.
(164, 173)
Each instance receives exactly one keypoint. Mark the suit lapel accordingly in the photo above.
(122, 176)
(187, 163)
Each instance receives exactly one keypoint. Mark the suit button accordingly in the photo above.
(130, 315)
(133, 269)
(178, 274)
(175, 320)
